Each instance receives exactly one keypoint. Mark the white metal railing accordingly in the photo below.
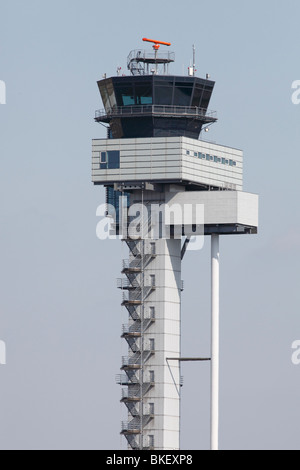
(131, 360)
(192, 111)
(134, 284)
(138, 263)
(138, 358)
(132, 392)
(138, 295)
(135, 390)
(135, 328)
(135, 296)
(124, 283)
(132, 426)
(135, 263)
(124, 380)
(140, 55)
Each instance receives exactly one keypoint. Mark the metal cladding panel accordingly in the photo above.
(248, 209)
(140, 160)
(169, 159)
(215, 164)
(221, 207)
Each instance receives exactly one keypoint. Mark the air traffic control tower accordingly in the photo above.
(157, 173)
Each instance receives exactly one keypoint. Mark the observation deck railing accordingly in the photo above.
(157, 110)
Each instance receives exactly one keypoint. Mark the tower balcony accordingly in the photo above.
(156, 111)
(136, 361)
(137, 424)
(136, 265)
(132, 427)
(133, 265)
(132, 362)
(124, 380)
(133, 392)
(137, 296)
(134, 298)
(126, 284)
(131, 395)
(134, 330)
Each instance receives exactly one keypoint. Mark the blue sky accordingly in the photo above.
(60, 312)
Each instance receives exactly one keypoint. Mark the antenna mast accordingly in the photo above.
(156, 47)
(194, 60)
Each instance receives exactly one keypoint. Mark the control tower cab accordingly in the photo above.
(152, 104)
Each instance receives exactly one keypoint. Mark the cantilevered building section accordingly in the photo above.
(154, 159)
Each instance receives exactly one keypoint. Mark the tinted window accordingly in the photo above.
(182, 96)
(125, 95)
(197, 97)
(127, 99)
(163, 95)
(205, 99)
(110, 160)
(163, 81)
(107, 94)
(113, 160)
(143, 94)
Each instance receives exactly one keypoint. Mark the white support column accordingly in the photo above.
(215, 333)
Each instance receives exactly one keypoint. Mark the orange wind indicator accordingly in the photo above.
(157, 44)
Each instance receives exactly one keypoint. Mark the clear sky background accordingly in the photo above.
(60, 312)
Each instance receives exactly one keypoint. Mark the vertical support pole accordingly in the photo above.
(194, 60)
(215, 336)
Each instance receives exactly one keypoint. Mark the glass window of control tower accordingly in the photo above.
(134, 94)
(164, 95)
(107, 94)
(127, 96)
(183, 93)
(143, 94)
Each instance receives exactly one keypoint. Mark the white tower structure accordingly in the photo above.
(163, 184)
